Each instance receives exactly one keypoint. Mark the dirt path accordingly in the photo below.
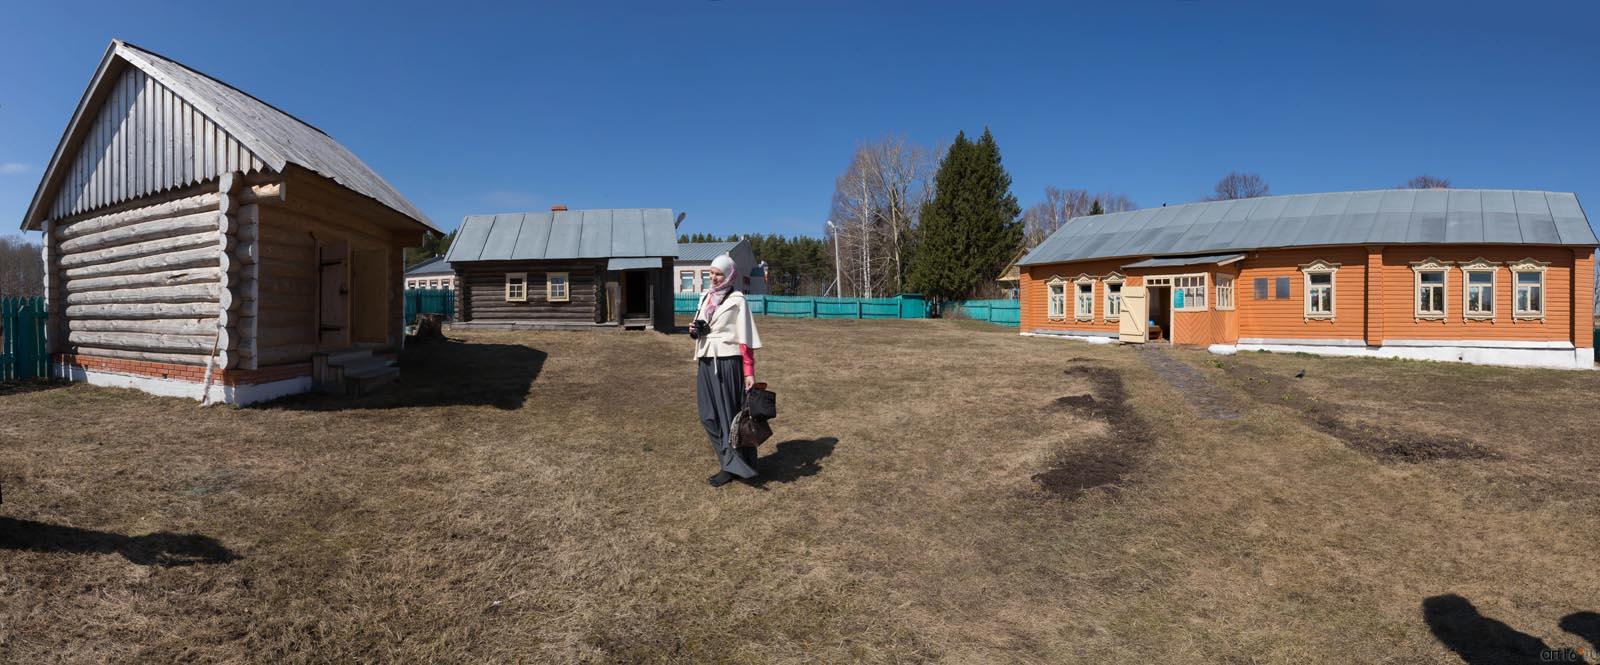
(1210, 400)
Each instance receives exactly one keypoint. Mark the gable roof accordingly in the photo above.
(1375, 217)
(566, 234)
(704, 251)
(431, 266)
(272, 138)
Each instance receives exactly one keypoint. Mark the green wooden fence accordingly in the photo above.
(903, 306)
(22, 350)
(1003, 312)
(429, 301)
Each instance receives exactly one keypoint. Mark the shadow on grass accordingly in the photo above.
(793, 459)
(442, 372)
(1480, 640)
(156, 549)
(18, 387)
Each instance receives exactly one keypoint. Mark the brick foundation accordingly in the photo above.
(180, 372)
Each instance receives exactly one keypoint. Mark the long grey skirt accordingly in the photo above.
(719, 390)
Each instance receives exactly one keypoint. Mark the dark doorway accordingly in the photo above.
(1160, 313)
(635, 293)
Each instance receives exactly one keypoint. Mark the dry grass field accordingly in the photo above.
(936, 491)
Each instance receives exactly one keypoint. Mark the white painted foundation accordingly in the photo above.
(1092, 338)
(1549, 355)
(238, 395)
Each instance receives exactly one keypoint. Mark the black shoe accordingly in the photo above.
(722, 478)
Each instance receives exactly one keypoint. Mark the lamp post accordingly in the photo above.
(838, 282)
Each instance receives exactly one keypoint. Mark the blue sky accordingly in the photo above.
(743, 113)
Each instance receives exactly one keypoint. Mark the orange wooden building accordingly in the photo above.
(1484, 276)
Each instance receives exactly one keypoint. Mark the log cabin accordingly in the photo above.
(1496, 277)
(566, 269)
(200, 242)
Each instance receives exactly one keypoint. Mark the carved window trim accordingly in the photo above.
(516, 287)
(1117, 279)
(1319, 267)
(1430, 264)
(1078, 312)
(1528, 266)
(1226, 292)
(562, 280)
(1051, 298)
(1480, 266)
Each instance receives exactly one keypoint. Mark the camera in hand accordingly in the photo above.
(699, 329)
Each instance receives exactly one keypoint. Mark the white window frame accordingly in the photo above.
(1178, 283)
(1525, 267)
(1429, 264)
(550, 286)
(1479, 265)
(520, 281)
(705, 280)
(691, 275)
(1052, 310)
(1225, 292)
(1112, 309)
(1319, 267)
(1078, 298)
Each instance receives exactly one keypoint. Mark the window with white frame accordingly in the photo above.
(1430, 283)
(1083, 304)
(705, 280)
(1191, 291)
(1224, 292)
(555, 287)
(1527, 277)
(1319, 289)
(516, 287)
(685, 281)
(1056, 291)
(1478, 282)
(1113, 306)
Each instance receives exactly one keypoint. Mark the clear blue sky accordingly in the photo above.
(743, 113)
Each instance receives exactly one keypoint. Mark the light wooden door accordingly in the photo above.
(1134, 324)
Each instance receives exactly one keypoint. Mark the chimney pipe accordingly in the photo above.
(558, 208)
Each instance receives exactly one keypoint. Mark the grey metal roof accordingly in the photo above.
(566, 234)
(434, 266)
(1375, 217)
(1186, 261)
(704, 251)
(278, 138)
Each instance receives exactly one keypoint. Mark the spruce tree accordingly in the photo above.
(969, 229)
(1096, 209)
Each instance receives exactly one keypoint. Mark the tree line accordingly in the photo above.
(21, 267)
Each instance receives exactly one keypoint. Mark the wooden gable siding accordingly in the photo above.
(146, 139)
(1399, 294)
(482, 291)
(1034, 296)
(1285, 318)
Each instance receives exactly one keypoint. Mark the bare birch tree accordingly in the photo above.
(1426, 182)
(1238, 185)
(1060, 205)
(21, 267)
(875, 206)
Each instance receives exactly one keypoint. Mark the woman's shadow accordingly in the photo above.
(793, 459)
(154, 549)
(1480, 640)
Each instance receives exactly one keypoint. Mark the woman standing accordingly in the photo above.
(725, 341)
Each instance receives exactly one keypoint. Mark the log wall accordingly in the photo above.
(482, 292)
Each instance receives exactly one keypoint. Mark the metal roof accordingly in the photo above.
(433, 266)
(277, 138)
(1375, 217)
(1219, 259)
(704, 251)
(566, 234)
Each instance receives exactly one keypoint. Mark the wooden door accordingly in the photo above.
(333, 294)
(1134, 323)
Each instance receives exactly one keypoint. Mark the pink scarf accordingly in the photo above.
(717, 294)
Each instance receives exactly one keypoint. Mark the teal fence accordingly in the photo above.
(22, 350)
(429, 301)
(1003, 312)
(904, 306)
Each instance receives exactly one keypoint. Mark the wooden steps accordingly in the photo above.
(352, 373)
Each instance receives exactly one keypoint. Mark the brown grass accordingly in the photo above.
(541, 497)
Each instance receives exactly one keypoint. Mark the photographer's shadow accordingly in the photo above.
(1480, 640)
(154, 549)
(792, 460)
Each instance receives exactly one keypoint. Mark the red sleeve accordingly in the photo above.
(749, 356)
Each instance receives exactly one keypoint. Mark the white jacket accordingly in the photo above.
(731, 325)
